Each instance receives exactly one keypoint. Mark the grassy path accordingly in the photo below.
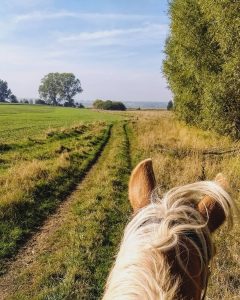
(71, 256)
(33, 189)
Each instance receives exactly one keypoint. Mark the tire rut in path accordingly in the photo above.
(35, 244)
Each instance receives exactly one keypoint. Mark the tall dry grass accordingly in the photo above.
(176, 151)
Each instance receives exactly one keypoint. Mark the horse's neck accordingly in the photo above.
(191, 282)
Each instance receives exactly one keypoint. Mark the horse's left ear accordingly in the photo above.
(210, 209)
(141, 184)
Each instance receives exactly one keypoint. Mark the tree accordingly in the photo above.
(70, 86)
(50, 88)
(5, 92)
(98, 104)
(59, 87)
(202, 63)
(170, 105)
(13, 99)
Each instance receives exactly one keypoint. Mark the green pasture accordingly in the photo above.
(44, 152)
(19, 122)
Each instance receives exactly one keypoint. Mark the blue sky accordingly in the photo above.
(115, 47)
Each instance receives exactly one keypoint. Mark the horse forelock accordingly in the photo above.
(158, 234)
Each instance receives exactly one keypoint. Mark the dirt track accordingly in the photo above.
(37, 243)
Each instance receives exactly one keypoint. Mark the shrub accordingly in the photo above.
(170, 105)
(109, 105)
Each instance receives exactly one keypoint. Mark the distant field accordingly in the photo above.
(22, 122)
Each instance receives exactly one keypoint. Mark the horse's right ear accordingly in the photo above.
(210, 209)
(141, 184)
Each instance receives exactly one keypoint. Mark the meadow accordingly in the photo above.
(44, 151)
(88, 164)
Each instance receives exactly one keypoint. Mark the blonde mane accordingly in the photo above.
(141, 270)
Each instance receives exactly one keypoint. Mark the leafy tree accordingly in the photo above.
(13, 99)
(170, 105)
(5, 92)
(202, 63)
(50, 88)
(70, 86)
(98, 104)
(59, 87)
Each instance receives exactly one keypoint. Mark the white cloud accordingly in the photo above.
(149, 33)
(46, 15)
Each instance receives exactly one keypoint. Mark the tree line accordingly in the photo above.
(6, 93)
(202, 63)
(55, 89)
(58, 89)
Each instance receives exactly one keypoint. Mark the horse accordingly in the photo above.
(167, 247)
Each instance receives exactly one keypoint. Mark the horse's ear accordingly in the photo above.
(210, 209)
(141, 184)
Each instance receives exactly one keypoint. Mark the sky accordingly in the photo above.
(115, 47)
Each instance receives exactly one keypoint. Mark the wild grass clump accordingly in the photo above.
(19, 182)
(65, 132)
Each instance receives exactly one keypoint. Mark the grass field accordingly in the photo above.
(44, 152)
(23, 122)
(72, 260)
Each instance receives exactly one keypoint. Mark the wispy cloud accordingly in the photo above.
(144, 34)
(46, 15)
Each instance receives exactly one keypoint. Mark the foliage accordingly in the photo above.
(202, 63)
(98, 104)
(59, 87)
(70, 86)
(13, 99)
(5, 92)
(80, 105)
(170, 105)
(40, 101)
(108, 105)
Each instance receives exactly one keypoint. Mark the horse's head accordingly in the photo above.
(167, 246)
(190, 257)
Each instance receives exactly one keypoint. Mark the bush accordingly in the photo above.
(170, 105)
(81, 105)
(13, 99)
(40, 101)
(108, 105)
